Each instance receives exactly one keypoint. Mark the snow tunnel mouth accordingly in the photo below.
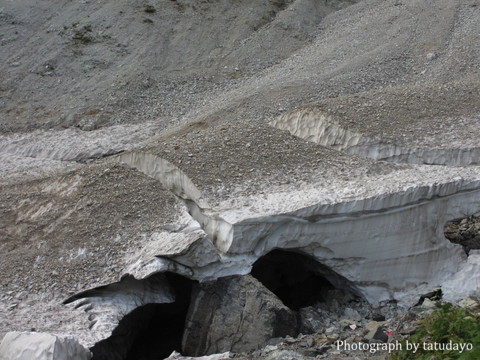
(298, 280)
(464, 231)
(152, 331)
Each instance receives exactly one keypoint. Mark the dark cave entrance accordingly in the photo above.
(297, 279)
(464, 231)
(150, 332)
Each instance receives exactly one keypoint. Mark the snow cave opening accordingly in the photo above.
(297, 279)
(149, 332)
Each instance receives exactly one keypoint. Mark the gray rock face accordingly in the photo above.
(311, 320)
(236, 314)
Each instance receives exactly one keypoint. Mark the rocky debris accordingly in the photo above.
(41, 346)
(327, 69)
(226, 159)
(465, 232)
(472, 303)
(68, 233)
(427, 111)
(234, 314)
(429, 297)
(116, 63)
(95, 208)
(336, 325)
(366, 340)
(177, 356)
(274, 354)
(293, 55)
(337, 305)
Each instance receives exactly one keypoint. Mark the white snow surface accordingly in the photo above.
(45, 152)
(41, 346)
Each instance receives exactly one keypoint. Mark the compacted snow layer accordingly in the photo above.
(380, 237)
(41, 153)
(41, 346)
(317, 126)
(384, 244)
(107, 305)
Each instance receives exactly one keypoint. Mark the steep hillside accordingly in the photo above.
(92, 64)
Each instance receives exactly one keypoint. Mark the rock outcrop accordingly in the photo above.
(464, 231)
(234, 314)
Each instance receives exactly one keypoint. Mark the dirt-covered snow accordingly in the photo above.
(196, 82)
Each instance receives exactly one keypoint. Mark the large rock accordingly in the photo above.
(236, 314)
(41, 346)
(312, 319)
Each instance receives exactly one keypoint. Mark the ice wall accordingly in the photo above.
(381, 240)
(385, 245)
(316, 126)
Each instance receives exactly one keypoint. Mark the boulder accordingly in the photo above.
(311, 320)
(41, 346)
(237, 314)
